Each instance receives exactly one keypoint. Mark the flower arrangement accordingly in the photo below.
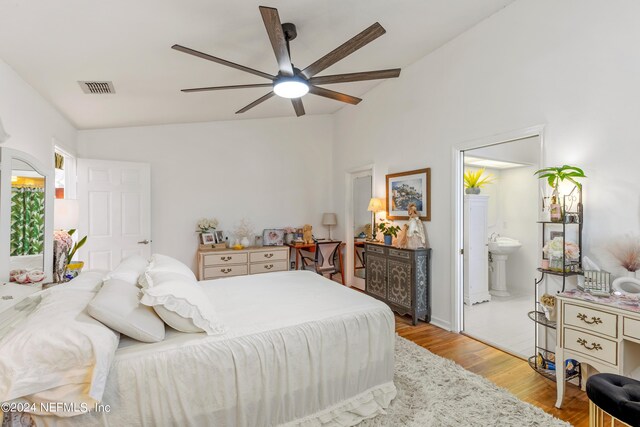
(558, 255)
(553, 248)
(627, 253)
(476, 179)
(207, 224)
(244, 229)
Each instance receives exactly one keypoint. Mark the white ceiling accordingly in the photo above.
(53, 44)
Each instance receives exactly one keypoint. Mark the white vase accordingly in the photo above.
(245, 242)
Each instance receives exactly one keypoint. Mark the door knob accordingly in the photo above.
(144, 242)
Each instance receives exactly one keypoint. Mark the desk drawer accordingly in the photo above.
(631, 328)
(225, 271)
(225, 258)
(591, 345)
(591, 320)
(268, 267)
(266, 256)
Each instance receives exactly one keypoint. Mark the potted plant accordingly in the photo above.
(389, 230)
(554, 176)
(474, 181)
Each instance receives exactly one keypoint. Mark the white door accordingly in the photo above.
(115, 211)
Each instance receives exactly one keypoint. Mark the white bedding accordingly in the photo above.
(300, 350)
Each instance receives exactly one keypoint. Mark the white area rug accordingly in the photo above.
(433, 391)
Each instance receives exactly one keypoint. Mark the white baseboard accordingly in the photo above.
(444, 324)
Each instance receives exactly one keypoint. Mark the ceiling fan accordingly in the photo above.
(291, 82)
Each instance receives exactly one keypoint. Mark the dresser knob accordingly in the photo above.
(594, 320)
(269, 255)
(269, 266)
(225, 258)
(594, 345)
(225, 270)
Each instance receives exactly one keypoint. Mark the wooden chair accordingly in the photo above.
(323, 260)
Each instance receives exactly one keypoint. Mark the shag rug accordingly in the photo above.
(433, 391)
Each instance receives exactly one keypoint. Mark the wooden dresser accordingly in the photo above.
(603, 333)
(217, 263)
(401, 278)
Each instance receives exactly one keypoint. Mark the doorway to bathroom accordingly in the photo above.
(500, 238)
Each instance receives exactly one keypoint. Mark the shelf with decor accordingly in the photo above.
(561, 258)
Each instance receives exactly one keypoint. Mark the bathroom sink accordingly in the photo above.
(504, 246)
(627, 286)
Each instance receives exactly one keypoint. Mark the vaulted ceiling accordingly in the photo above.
(53, 45)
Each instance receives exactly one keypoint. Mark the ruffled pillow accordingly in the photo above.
(164, 263)
(181, 303)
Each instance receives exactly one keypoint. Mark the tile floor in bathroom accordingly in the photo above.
(502, 323)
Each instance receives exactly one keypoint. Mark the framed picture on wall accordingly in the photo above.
(409, 187)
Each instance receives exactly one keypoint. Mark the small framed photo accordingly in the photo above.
(273, 237)
(219, 236)
(207, 238)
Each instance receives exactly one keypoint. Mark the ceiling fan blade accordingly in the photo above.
(256, 102)
(297, 105)
(276, 36)
(204, 89)
(221, 61)
(344, 50)
(320, 91)
(355, 77)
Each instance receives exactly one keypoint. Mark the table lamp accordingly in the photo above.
(66, 214)
(329, 219)
(375, 206)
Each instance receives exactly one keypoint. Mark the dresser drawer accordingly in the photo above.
(225, 271)
(264, 256)
(268, 267)
(225, 258)
(591, 345)
(591, 320)
(631, 328)
(399, 254)
(374, 249)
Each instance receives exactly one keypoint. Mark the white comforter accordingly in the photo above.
(301, 350)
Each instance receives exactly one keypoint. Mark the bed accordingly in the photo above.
(299, 350)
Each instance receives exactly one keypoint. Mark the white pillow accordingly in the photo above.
(129, 269)
(181, 303)
(164, 263)
(58, 345)
(117, 305)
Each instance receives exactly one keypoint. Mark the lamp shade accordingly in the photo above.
(66, 213)
(375, 205)
(329, 219)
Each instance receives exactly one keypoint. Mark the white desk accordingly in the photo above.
(603, 333)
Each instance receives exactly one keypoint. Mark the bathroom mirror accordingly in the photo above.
(361, 220)
(26, 201)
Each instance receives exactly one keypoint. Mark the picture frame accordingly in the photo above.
(207, 238)
(408, 187)
(219, 236)
(273, 237)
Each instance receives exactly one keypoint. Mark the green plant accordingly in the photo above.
(555, 176)
(475, 179)
(388, 229)
(75, 246)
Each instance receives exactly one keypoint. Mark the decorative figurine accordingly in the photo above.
(367, 231)
(307, 234)
(413, 235)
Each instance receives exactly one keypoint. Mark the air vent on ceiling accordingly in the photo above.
(98, 88)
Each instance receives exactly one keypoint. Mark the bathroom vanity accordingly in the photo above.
(602, 332)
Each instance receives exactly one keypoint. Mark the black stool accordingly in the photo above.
(616, 396)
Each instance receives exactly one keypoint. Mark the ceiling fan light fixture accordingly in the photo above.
(290, 87)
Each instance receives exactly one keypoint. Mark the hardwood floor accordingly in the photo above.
(506, 371)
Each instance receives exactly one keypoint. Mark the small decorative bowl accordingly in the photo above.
(238, 247)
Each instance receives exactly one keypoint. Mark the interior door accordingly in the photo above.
(115, 211)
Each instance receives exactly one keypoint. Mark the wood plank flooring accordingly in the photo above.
(506, 371)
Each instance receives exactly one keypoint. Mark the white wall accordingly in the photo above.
(274, 172)
(30, 120)
(571, 65)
